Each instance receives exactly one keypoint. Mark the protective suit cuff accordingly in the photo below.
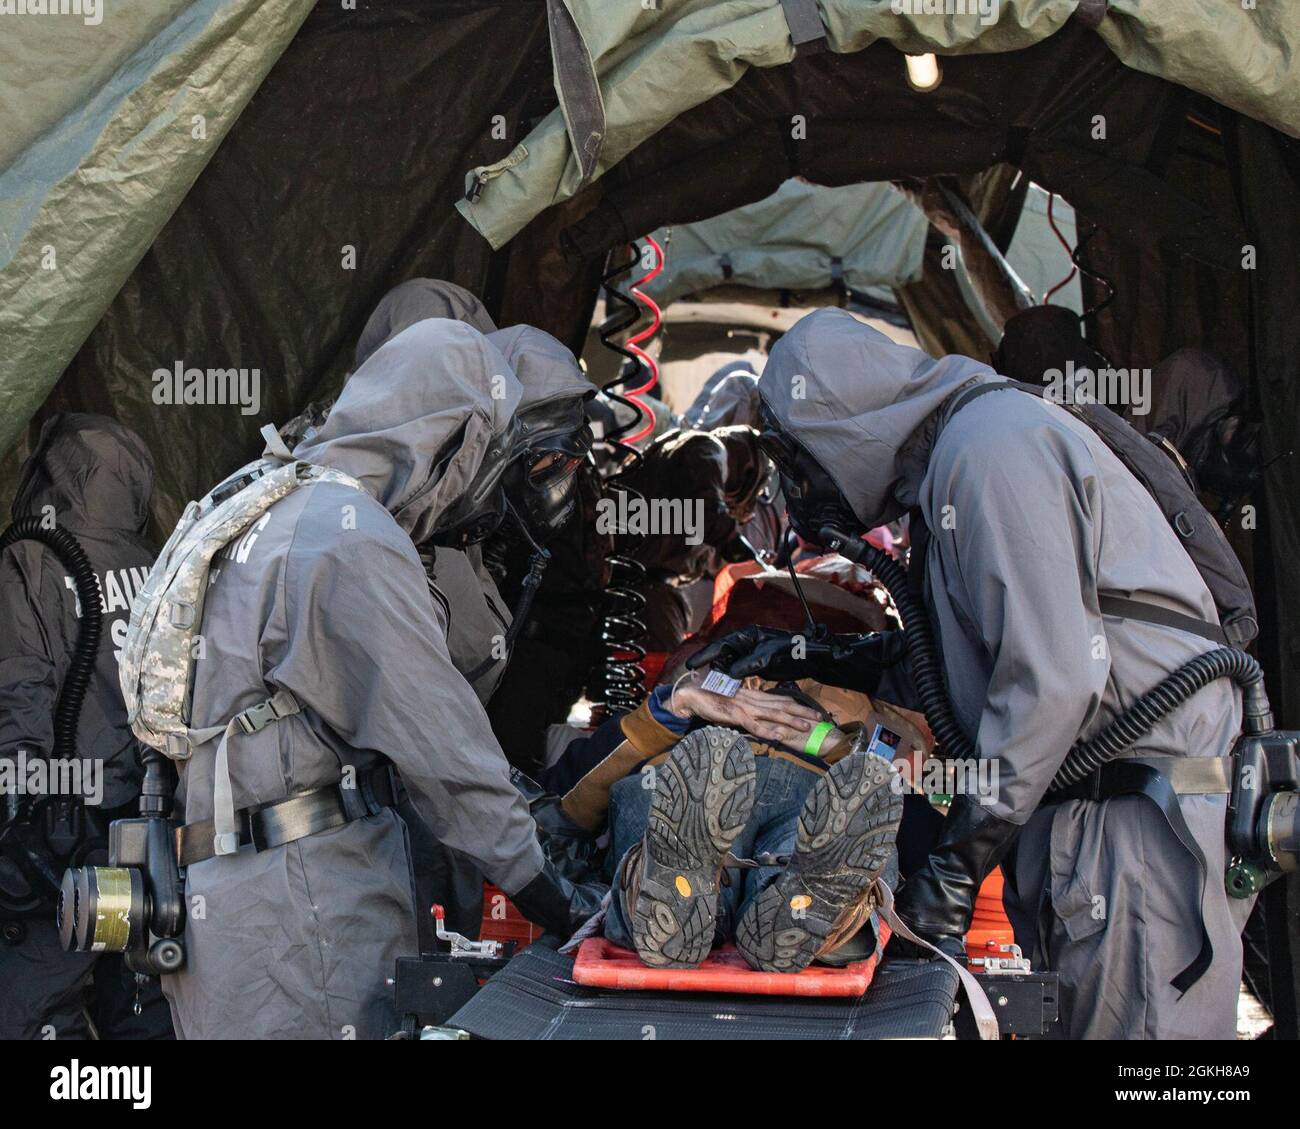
(516, 875)
(647, 734)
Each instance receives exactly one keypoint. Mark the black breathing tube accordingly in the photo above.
(1084, 757)
(785, 560)
(519, 617)
(922, 650)
(1142, 715)
(77, 680)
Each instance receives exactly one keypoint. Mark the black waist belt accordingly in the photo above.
(1188, 776)
(1162, 780)
(294, 817)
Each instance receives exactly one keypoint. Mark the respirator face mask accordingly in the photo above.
(813, 500)
(541, 483)
(540, 490)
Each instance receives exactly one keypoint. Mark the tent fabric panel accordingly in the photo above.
(84, 202)
(788, 242)
(54, 66)
(655, 63)
(1242, 54)
(334, 185)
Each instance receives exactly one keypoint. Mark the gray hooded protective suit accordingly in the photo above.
(478, 615)
(326, 597)
(480, 618)
(1032, 517)
(547, 370)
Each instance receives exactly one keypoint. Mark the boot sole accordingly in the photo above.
(846, 835)
(704, 794)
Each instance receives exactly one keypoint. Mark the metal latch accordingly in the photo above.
(462, 946)
(1015, 962)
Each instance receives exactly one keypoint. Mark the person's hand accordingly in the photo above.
(771, 717)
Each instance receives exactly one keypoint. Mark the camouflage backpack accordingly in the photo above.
(157, 665)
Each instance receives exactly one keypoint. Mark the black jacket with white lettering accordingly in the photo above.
(93, 477)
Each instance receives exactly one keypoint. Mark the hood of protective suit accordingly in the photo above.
(1194, 391)
(418, 421)
(416, 300)
(729, 397)
(1042, 338)
(863, 406)
(547, 370)
(95, 472)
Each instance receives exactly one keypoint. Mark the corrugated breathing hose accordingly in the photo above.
(922, 650)
(77, 679)
(1158, 703)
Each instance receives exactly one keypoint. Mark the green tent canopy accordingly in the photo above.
(802, 237)
(107, 127)
(110, 124)
(622, 72)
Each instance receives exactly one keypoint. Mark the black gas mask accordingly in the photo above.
(813, 500)
(482, 505)
(540, 490)
(541, 483)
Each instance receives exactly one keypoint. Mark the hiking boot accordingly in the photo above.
(826, 892)
(704, 793)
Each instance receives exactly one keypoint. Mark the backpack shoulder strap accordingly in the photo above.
(276, 448)
(1117, 606)
(281, 704)
(966, 395)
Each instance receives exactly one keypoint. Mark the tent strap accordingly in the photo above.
(1090, 13)
(576, 87)
(806, 29)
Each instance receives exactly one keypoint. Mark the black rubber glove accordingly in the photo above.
(854, 662)
(556, 904)
(938, 901)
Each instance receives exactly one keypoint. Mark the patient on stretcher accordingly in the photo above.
(768, 829)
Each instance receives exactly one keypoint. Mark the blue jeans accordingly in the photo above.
(773, 824)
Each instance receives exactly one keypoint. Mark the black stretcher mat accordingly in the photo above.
(534, 997)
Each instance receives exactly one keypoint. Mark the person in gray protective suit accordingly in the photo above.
(554, 431)
(92, 477)
(1034, 526)
(481, 633)
(325, 596)
(479, 621)
(477, 617)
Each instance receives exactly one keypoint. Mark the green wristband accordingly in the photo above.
(816, 738)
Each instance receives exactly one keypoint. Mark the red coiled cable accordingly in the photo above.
(634, 342)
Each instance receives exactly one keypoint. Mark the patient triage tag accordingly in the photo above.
(717, 682)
